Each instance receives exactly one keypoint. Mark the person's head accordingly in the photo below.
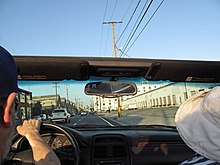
(8, 90)
(198, 123)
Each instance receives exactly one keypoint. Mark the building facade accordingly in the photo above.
(170, 95)
(165, 94)
(25, 105)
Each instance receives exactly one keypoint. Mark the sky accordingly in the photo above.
(169, 29)
(71, 90)
(180, 29)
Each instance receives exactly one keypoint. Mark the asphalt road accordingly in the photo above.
(159, 116)
(91, 120)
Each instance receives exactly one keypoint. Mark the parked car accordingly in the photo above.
(38, 117)
(48, 116)
(43, 117)
(60, 115)
(72, 114)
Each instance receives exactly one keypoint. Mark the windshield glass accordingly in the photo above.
(155, 103)
(58, 111)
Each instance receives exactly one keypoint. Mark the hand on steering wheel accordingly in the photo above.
(21, 151)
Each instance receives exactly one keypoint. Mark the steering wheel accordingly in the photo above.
(21, 153)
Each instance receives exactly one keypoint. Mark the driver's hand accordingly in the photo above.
(29, 128)
(42, 153)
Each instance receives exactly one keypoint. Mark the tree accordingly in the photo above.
(37, 108)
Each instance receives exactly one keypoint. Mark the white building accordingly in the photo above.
(105, 104)
(152, 96)
(170, 95)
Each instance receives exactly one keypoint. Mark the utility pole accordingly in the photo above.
(67, 92)
(56, 87)
(113, 35)
(115, 55)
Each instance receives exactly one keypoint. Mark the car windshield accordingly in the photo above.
(155, 102)
(58, 111)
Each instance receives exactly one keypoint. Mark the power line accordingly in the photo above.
(129, 21)
(132, 31)
(145, 25)
(123, 53)
(106, 6)
(108, 27)
(114, 10)
(127, 9)
(125, 15)
(138, 25)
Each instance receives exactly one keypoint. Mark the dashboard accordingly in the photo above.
(110, 146)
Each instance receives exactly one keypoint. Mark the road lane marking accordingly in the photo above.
(79, 120)
(105, 121)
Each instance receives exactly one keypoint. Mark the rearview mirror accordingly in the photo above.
(110, 89)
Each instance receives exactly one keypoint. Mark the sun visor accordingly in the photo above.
(51, 68)
(184, 71)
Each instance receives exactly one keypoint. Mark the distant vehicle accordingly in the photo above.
(132, 107)
(43, 117)
(68, 115)
(49, 116)
(37, 117)
(83, 113)
(60, 115)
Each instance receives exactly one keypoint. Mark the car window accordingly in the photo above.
(155, 102)
(58, 111)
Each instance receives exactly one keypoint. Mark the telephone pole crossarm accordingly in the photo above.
(112, 22)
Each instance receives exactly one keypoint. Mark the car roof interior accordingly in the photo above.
(81, 68)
